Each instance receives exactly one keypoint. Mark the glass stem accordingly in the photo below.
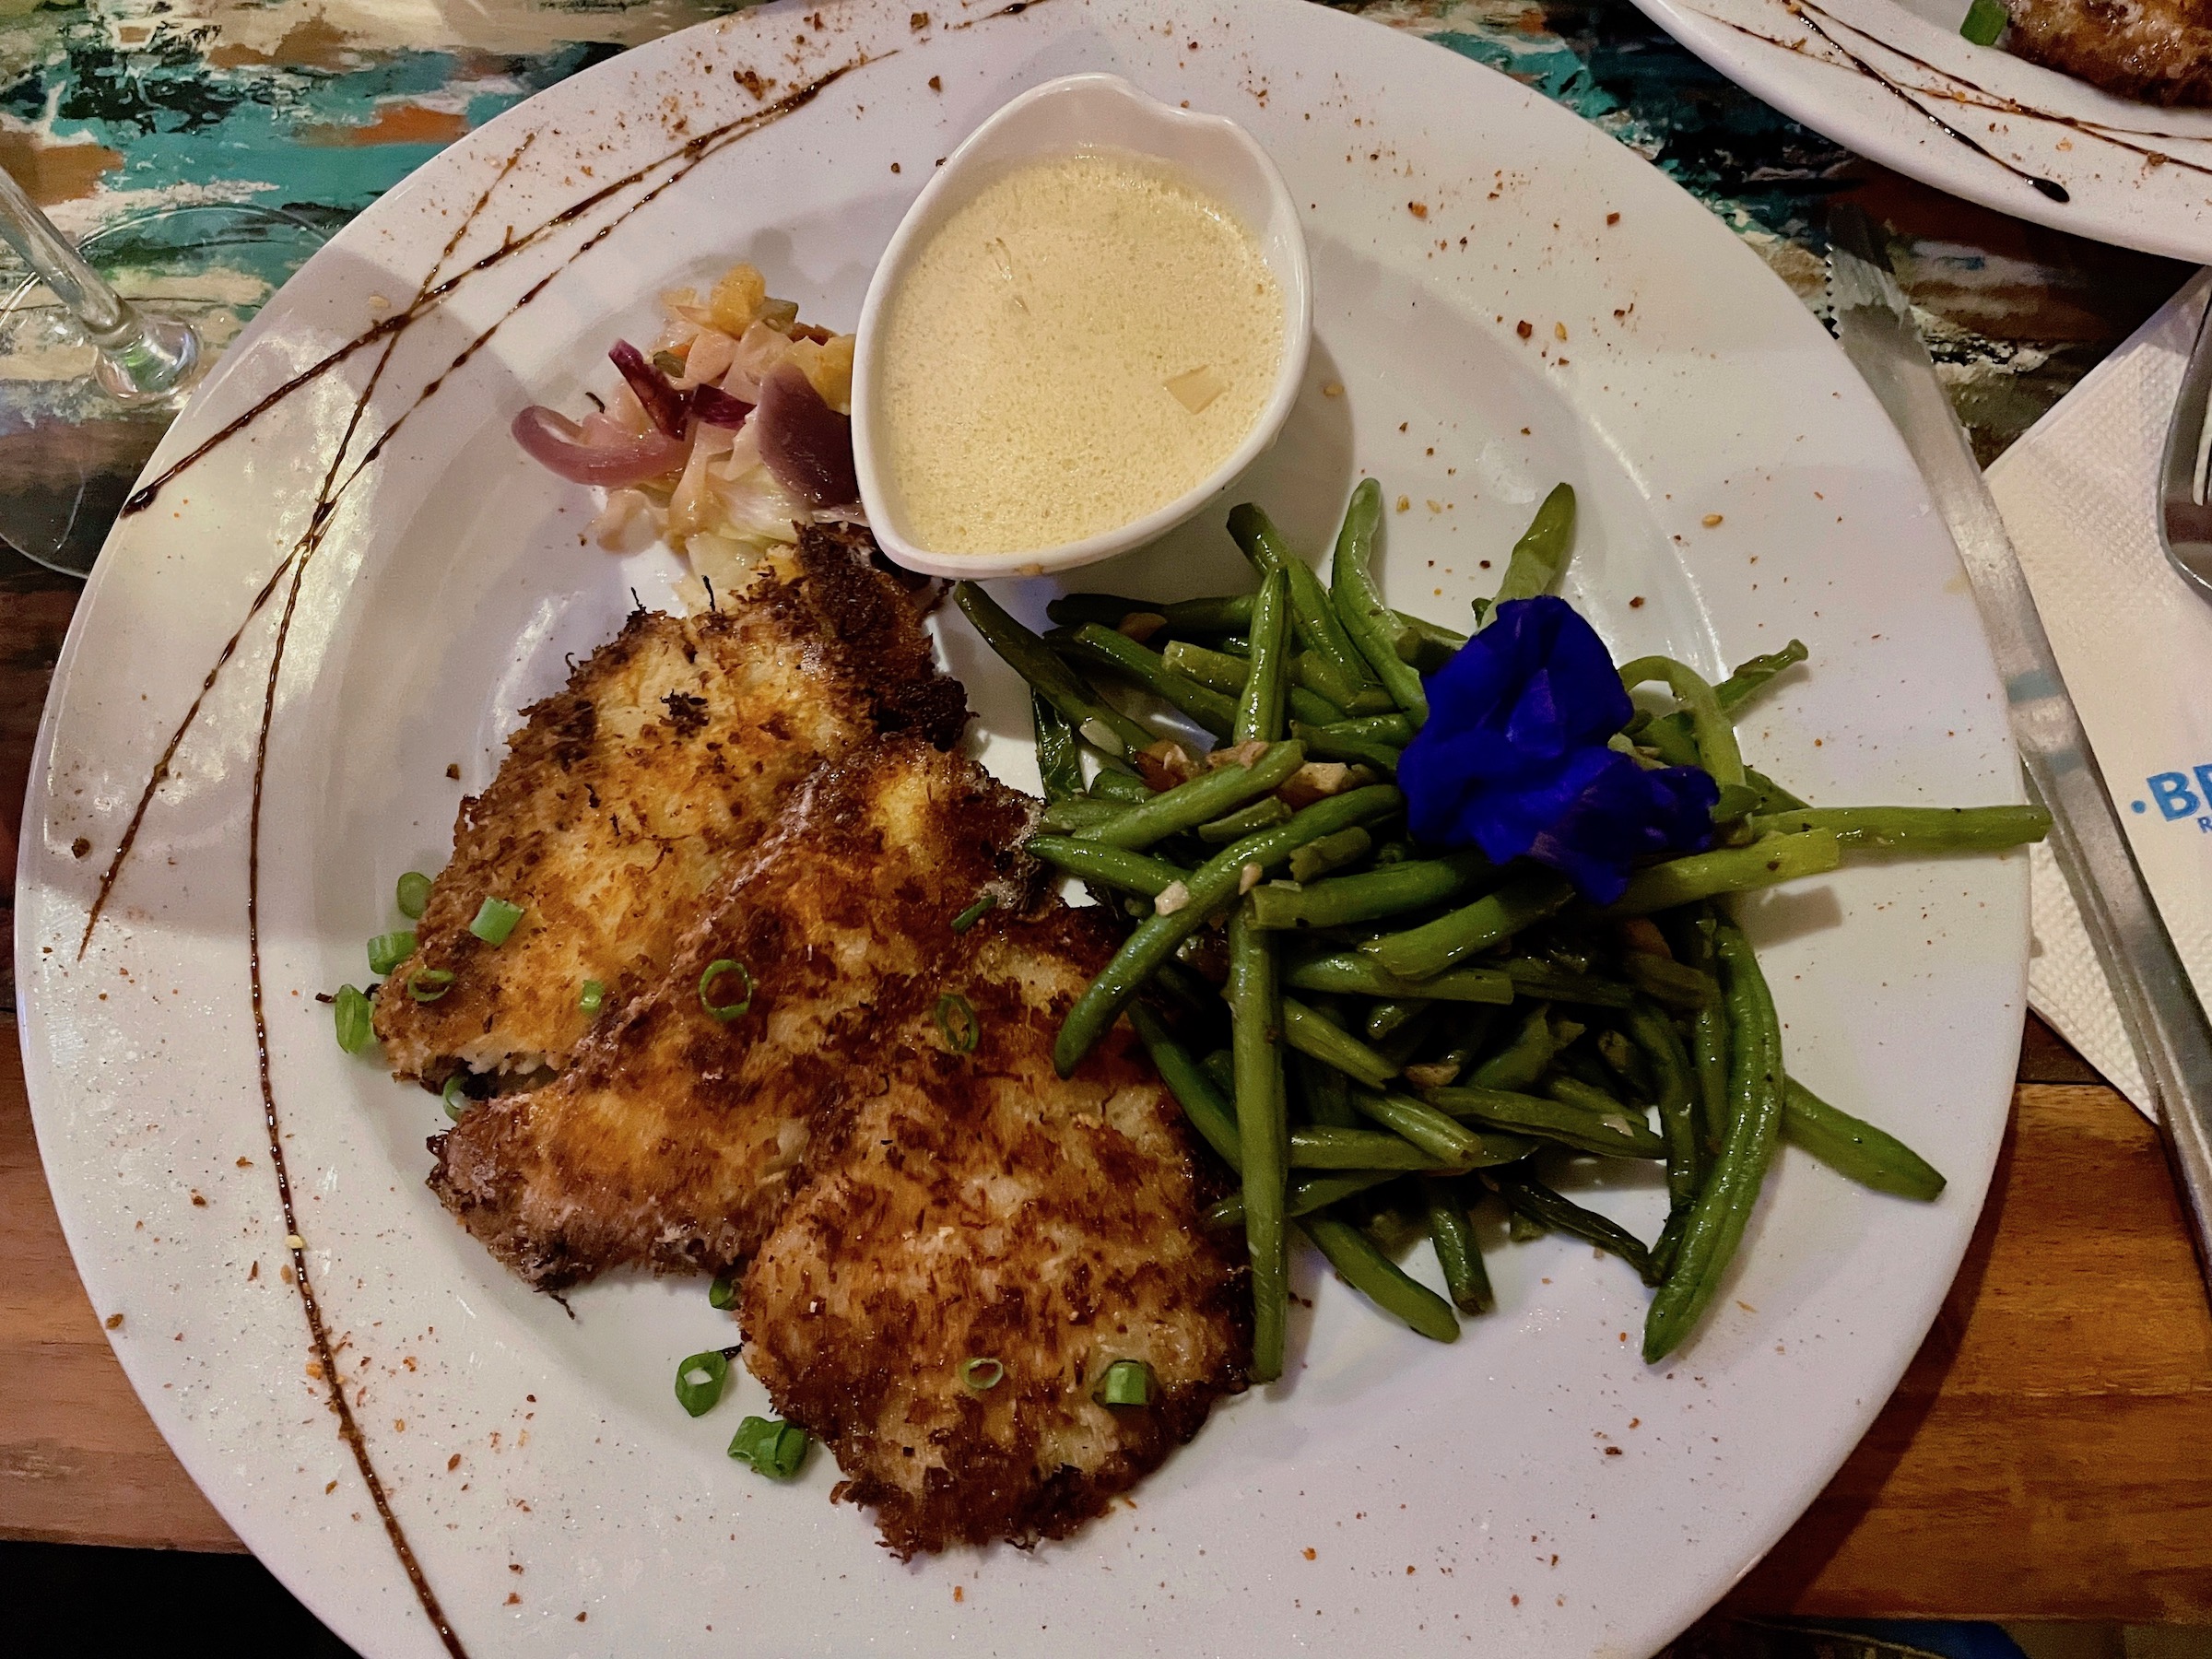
(141, 358)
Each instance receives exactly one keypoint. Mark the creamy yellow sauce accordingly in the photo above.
(1080, 345)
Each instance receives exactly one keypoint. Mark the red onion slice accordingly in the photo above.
(805, 444)
(556, 442)
(717, 407)
(662, 402)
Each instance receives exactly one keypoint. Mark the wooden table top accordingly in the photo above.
(2044, 1457)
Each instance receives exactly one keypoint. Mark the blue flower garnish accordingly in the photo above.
(1513, 759)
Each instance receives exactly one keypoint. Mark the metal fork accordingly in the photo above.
(2184, 518)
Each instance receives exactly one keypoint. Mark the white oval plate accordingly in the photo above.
(1504, 297)
(1894, 80)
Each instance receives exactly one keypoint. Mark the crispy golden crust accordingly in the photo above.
(627, 796)
(2160, 51)
(981, 1207)
(672, 1140)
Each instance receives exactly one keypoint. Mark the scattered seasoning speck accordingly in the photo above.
(1612, 219)
(1558, 331)
(1524, 328)
(1710, 520)
(115, 1323)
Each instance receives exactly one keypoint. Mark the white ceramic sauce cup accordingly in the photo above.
(1056, 119)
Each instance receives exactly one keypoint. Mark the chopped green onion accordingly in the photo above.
(699, 1380)
(387, 951)
(723, 1293)
(773, 1447)
(974, 912)
(427, 985)
(457, 1102)
(350, 1009)
(414, 894)
(724, 1011)
(981, 1375)
(495, 920)
(1985, 21)
(669, 364)
(592, 996)
(955, 1018)
(1126, 1382)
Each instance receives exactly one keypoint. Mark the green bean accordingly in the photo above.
(1609, 1134)
(1094, 719)
(1264, 1134)
(1125, 789)
(1108, 865)
(1515, 1067)
(1310, 670)
(1443, 1138)
(1227, 613)
(1541, 553)
(1144, 667)
(1218, 671)
(1078, 812)
(1671, 734)
(1220, 1069)
(1711, 728)
(1206, 890)
(1342, 900)
(1328, 743)
(1525, 1196)
(1428, 949)
(1362, 1266)
(1368, 622)
(1326, 1092)
(1332, 852)
(1383, 1017)
(1664, 979)
(1308, 1193)
(1313, 619)
(1913, 829)
(1764, 862)
(1349, 973)
(1260, 703)
(1690, 933)
(1854, 1148)
(1394, 731)
(1409, 1038)
(1059, 761)
(1320, 1147)
(1774, 797)
(1629, 1065)
(1262, 814)
(1200, 800)
(1310, 1033)
(1213, 1117)
(1536, 979)
(1457, 1252)
(1676, 1091)
(1717, 1219)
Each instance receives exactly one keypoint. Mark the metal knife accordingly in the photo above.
(2164, 1018)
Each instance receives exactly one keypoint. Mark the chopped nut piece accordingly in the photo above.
(1171, 897)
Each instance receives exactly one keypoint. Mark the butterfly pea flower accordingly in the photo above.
(1513, 759)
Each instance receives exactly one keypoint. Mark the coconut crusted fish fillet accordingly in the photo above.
(672, 1140)
(624, 798)
(2160, 51)
(981, 1208)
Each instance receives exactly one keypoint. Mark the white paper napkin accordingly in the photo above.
(2135, 642)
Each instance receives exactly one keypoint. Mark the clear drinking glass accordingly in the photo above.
(93, 368)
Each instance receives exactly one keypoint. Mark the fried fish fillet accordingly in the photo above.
(2160, 51)
(625, 799)
(672, 1140)
(981, 1207)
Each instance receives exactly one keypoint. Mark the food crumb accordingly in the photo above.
(80, 846)
(1612, 219)
(1710, 520)
(1433, 504)
(1612, 1451)
(1636, 603)
(114, 1322)
(1524, 328)
(452, 770)
(1405, 502)
(1333, 389)
(894, 167)
(1419, 209)
(960, 1593)
(1558, 331)
(513, 1599)
(937, 83)
(453, 1463)
(1309, 1552)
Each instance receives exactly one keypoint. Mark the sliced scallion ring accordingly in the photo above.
(773, 1447)
(715, 969)
(982, 1374)
(1126, 1382)
(414, 894)
(592, 997)
(427, 985)
(955, 1018)
(387, 951)
(723, 1293)
(975, 913)
(351, 1011)
(495, 920)
(699, 1379)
